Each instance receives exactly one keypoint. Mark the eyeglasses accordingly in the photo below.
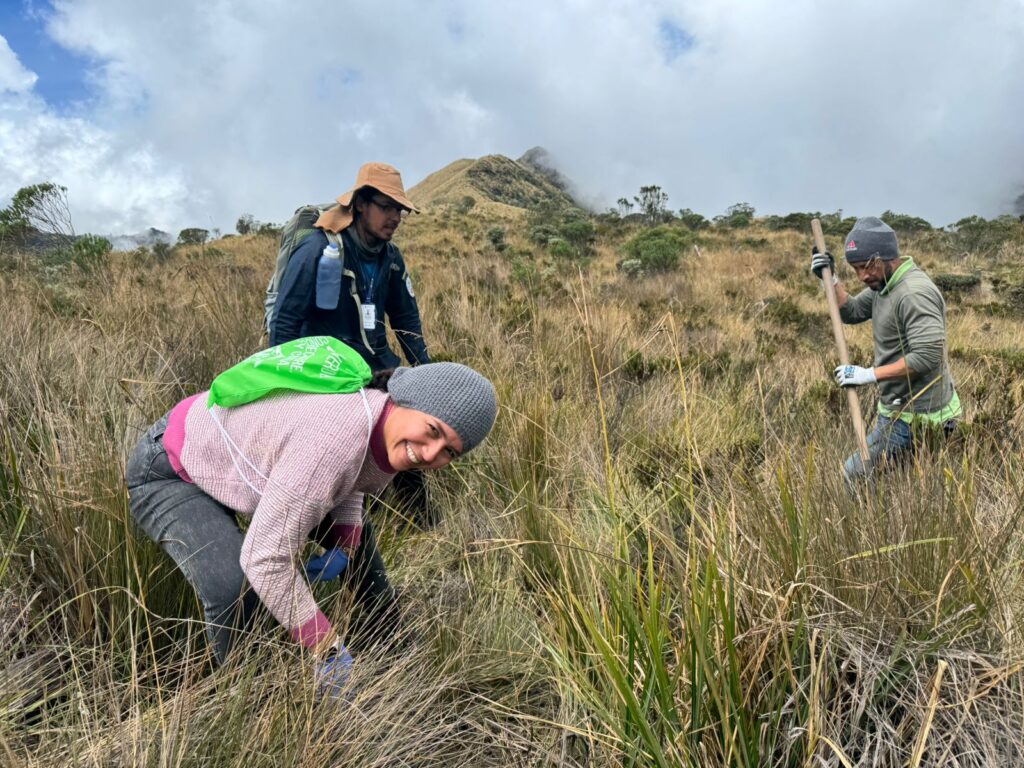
(866, 266)
(389, 207)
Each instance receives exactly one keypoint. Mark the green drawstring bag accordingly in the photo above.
(315, 364)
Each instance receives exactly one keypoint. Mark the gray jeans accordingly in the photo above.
(202, 536)
(199, 533)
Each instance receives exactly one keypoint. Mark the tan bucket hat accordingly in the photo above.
(382, 177)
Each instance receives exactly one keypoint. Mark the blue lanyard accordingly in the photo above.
(369, 277)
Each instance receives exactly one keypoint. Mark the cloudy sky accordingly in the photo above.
(189, 113)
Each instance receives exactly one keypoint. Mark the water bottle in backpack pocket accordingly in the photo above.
(328, 278)
(300, 226)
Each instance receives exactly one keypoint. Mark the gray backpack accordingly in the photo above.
(298, 228)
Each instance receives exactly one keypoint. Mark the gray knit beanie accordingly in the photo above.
(453, 393)
(871, 237)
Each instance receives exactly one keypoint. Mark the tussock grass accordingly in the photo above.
(652, 561)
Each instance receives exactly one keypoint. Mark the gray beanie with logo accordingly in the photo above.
(453, 393)
(871, 237)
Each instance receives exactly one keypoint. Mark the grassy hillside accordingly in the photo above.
(651, 562)
(494, 182)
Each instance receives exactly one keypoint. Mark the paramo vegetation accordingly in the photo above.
(651, 562)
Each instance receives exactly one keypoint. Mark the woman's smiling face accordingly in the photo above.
(417, 440)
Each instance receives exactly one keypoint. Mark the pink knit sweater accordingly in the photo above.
(296, 459)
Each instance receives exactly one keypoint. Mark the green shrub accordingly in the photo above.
(801, 222)
(905, 224)
(692, 221)
(547, 213)
(269, 229)
(980, 236)
(631, 267)
(543, 234)
(465, 205)
(497, 237)
(55, 260)
(560, 249)
(834, 224)
(639, 368)
(579, 233)
(524, 271)
(736, 216)
(659, 249)
(193, 236)
(162, 252)
(567, 232)
(950, 283)
(90, 252)
(1014, 295)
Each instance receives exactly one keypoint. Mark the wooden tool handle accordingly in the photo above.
(844, 356)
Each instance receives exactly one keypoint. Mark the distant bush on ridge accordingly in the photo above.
(656, 250)
(193, 236)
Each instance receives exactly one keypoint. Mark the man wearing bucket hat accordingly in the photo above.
(374, 284)
(911, 365)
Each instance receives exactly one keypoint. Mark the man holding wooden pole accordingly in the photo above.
(911, 365)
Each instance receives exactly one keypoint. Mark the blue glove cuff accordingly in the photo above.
(326, 567)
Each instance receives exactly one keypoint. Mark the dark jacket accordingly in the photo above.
(296, 314)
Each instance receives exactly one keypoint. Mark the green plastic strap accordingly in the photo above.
(315, 365)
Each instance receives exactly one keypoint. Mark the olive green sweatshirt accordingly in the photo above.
(909, 320)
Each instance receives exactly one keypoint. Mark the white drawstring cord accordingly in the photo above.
(229, 443)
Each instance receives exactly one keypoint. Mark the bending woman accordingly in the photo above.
(292, 463)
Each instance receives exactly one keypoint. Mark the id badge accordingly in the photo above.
(369, 316)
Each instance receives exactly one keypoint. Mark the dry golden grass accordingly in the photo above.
(652, 561)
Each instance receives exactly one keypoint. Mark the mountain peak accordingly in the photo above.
(498, 179)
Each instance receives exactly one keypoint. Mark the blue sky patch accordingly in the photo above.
(63, 75)
(675, 41)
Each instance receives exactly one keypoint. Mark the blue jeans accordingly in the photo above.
(889, 443)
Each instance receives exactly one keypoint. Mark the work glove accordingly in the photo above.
(854, 375)
(821, 260)
(332, 675)
(327, 566)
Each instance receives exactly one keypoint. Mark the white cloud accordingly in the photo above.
(115, 183)
(360, 130)
(13, 76)
(460, 113)
(209, 108)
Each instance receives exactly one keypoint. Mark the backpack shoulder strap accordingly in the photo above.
(335, 237)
